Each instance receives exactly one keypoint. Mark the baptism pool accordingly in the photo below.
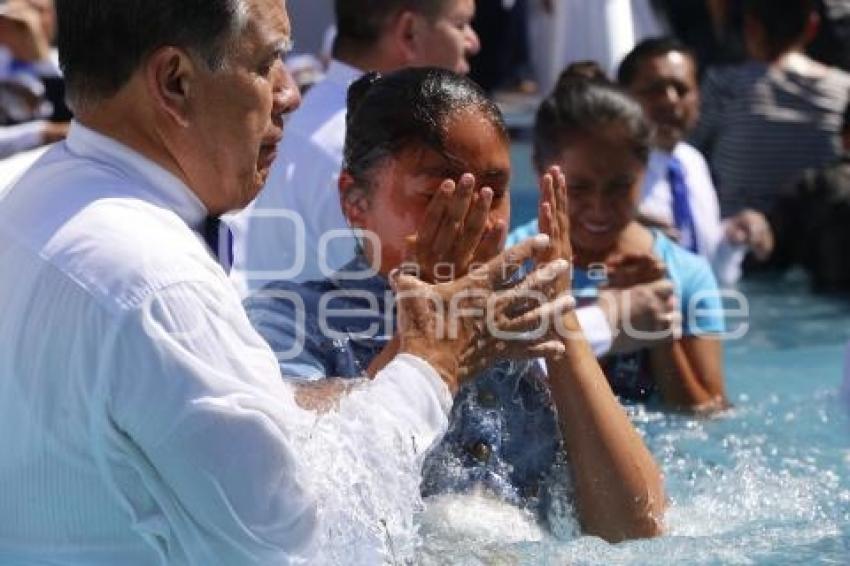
(766, 483)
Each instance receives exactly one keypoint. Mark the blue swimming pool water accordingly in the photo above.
(766, 483)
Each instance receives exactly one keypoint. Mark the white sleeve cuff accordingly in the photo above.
(595, 326)
(430, 376)
(412, 398)
(728, 259)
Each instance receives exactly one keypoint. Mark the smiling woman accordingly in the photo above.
(600, 137)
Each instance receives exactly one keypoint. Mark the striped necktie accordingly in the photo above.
(218, 237)
(682, 215)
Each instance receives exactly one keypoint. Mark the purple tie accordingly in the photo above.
(682, 215)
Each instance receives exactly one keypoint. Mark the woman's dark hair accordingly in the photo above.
(582, 102)
(387, 114)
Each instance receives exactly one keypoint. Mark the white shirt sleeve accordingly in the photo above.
(199, 417)
(727, 260)
(596, 329)
(21, 137)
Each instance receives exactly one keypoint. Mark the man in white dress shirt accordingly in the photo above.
(678, 191)
(286, 233)
(142, 419)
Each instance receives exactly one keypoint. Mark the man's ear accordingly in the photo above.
(353, 199)
(405, 29)
(169, 76)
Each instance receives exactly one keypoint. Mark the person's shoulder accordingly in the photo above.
(123, 250)
(833, 74)
(732, 80)
(681, 263)
(695, 163)
(321, 113)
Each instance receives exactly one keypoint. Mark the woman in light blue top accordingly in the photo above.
(599, 137)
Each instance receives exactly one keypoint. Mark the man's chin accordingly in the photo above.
(668, 138)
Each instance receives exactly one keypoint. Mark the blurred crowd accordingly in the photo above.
(760, 103)
(32, 97)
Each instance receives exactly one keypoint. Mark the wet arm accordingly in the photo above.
(618, 486)
(689, 373)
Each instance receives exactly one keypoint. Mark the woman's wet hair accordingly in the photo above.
(407, 108)
(584, 102)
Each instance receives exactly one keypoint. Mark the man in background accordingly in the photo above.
(301, 191)
(661, 73)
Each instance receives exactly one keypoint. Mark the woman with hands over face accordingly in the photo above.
(425, 179)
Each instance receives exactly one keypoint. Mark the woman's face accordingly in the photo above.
(604, 179)
(404, 184)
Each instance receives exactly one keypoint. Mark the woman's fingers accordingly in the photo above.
(492, 241)
(466, 245)
(497, 272)
(435, 214)
(562, 210)
(540, 321)
(456, 212)
(541, 285)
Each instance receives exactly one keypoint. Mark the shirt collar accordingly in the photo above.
(342, 74)
(164, 188)
(659, 159)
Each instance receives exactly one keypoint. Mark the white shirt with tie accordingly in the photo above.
(142, 419)
(657, 202)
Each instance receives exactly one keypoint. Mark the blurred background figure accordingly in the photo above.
(566, 31)
(765, 120)
(504, 63)
(306, 70)
(32, 106)
(812, 222)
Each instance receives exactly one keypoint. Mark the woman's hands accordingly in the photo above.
(454, 234)
(461, 326)
(628, 270)
(554, 214)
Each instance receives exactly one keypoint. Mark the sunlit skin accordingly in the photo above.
(448, 41)
(667, 88)
(237, 115)
(604, 177)
(395, 204)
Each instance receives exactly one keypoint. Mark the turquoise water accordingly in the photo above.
(766, 483)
